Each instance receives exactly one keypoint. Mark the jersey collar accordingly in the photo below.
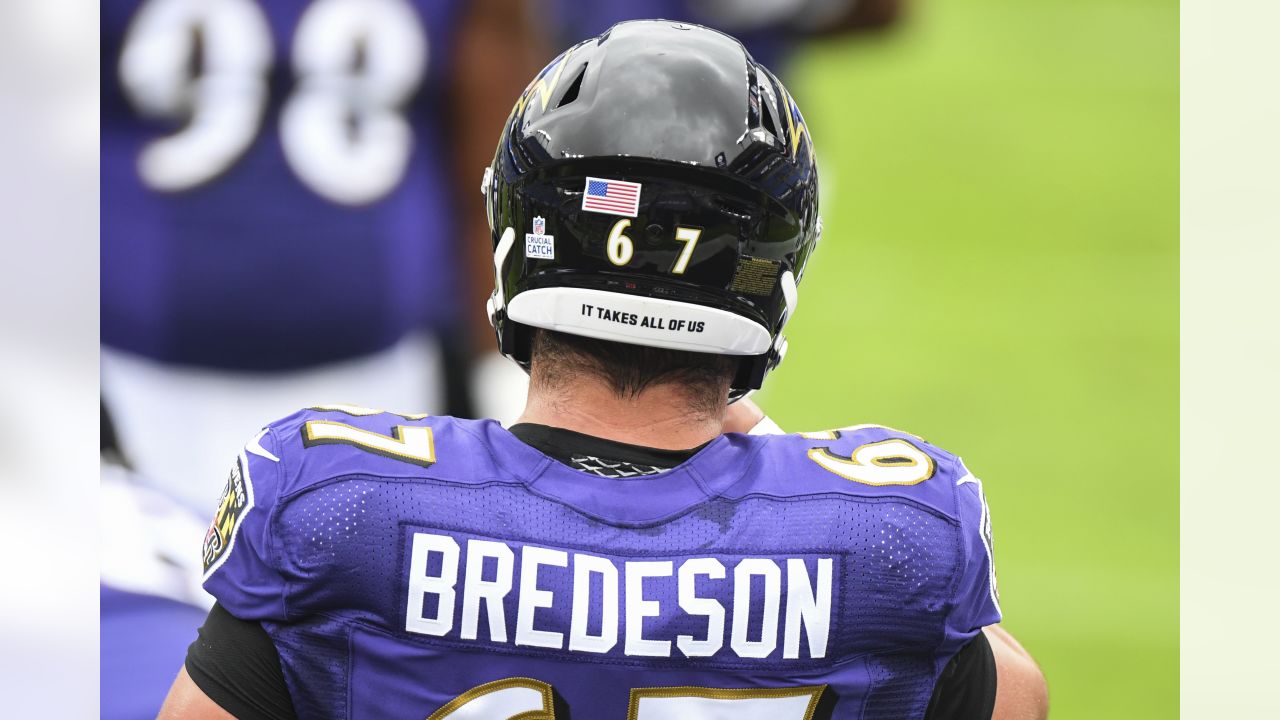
(634, 501)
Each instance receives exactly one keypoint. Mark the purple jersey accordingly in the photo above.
(769, 42)
(411, 567)
(275, 178)
(142, 642)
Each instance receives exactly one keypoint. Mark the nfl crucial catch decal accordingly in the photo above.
(237, 499)
(614, 197)
(538, 244)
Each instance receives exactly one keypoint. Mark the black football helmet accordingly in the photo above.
(655, 186)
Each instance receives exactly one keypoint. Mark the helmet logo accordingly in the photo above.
(542, 87)
(538, 244)
(796, 127)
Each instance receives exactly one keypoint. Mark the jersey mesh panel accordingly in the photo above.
(315, 649)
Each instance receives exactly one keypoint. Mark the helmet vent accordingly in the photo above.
(571, 93)
(766, 116)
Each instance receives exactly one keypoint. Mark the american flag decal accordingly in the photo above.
(615, 197)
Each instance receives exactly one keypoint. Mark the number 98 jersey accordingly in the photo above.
(275, 171)
(429, 567)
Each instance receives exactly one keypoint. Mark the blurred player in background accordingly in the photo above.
(627, 549)
(282, 212)
(150, 594)
(770, 29)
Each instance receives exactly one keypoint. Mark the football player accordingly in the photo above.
(282, 215)
(150, 594)
(625, 550)
(770, 29)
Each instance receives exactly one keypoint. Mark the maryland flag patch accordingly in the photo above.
(237, 498)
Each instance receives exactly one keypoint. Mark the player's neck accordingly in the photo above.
(659, 417)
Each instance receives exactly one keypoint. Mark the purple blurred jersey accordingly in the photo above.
(276, 180)
(770, 44)
(440, 568)
(143, 640)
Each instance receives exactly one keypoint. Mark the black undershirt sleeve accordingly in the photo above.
(966, 689)
(235, 663)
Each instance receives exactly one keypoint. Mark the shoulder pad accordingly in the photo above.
(874, 462)
(302, 451)
(863, 460)
(330, 441)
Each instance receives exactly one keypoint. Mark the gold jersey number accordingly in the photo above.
(528, 699)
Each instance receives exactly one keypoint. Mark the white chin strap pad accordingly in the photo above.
(639, 320)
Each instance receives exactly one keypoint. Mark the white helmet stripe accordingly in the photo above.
(639, 320)
(790, 294)
(499, 259)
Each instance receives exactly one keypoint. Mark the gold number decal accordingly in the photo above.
(511, 698)
(525, 699)
(362, 411)
(835, 434)
(691, 703)
(407, 443)
(821, 435)
(688, 236)
(620, 247)
(887, 462)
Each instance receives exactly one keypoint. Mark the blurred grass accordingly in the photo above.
(999, 274)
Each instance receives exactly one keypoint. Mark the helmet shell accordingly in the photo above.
(655, 186)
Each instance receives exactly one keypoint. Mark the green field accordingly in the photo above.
(999, 274)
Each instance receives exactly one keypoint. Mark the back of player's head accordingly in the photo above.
(561, 360)
(656, 187)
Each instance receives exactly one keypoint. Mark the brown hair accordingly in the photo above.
(630, 369)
